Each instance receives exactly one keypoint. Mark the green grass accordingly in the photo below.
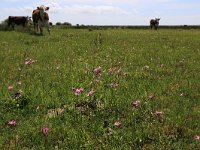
(159, 68)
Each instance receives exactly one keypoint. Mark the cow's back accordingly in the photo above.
(17, 20)
(152, 22)
(36, 15)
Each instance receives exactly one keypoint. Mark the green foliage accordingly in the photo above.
(40, 76)
(5, 22)
(58, 23)
(67, 24)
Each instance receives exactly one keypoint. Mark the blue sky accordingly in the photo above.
(109, 12)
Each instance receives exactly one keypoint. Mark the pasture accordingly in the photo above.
(100, 89)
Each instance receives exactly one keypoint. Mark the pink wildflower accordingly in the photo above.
(158, 113)
(146, 67)
(10, 87)
(119, 70)
(45, 130)
(100, 76)
(109, 131)
(98, 69)
(197, 137)
(81, 89)
(118, 123)
(12, 122)
(78, 91)
(30, 61)
(136, 103)
(27, 62)
(90, 93)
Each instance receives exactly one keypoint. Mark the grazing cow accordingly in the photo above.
(18, 20)
(40, 18)
(154, 23)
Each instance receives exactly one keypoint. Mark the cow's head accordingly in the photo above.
(157, 19)
(42, 9)
(28, 18)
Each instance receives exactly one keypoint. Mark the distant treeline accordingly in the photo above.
(135, 27)
(4, 27)
(99, 27)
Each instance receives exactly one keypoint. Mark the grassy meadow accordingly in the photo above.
(100, 89)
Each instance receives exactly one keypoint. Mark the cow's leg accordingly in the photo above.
(13, 26)
(156, 27)
(35, 28)
(48, 26)
(40, 24)
(41, 30)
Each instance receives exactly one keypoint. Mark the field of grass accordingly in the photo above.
(100, 89)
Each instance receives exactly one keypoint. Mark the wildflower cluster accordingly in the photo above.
(29, 61)
(45, 130)
(78, 91)
(197, 137)
(12, 122)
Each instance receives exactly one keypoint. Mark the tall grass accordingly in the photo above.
(40, 76)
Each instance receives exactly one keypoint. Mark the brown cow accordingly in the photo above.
(17, 20)
(154, 23)
(40, 18)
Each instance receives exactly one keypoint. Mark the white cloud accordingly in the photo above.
(115, 12)
(88, 9)
(55, 7)
(180, 20)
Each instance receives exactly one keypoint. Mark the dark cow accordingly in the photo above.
(17, 20)
(154, 23)
(40, 18)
